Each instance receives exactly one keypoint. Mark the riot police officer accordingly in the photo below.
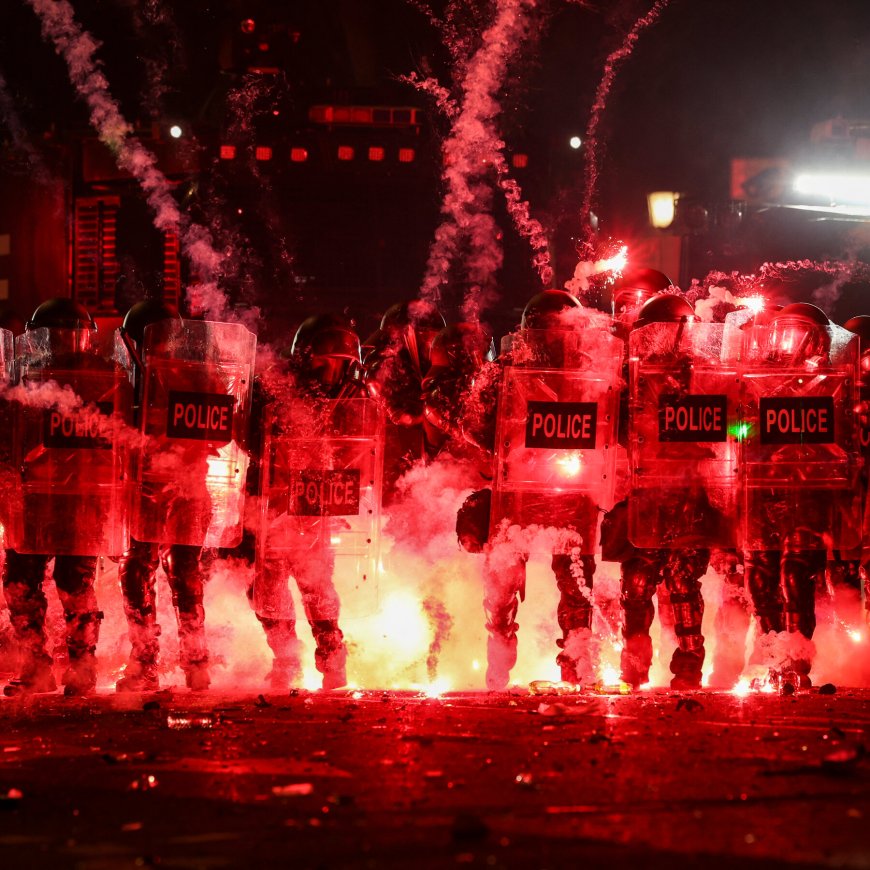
(325, 366)
(137, 568)
(59, 341)
(554, 330)
(799, 468)
(852, 570)
(396, 364)
(457, 354)
(678, 568)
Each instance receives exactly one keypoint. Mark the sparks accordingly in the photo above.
(610, 676)
(402, 623)
(754, 303)
(742, 689)
(615, 264)
(438, 688)
(570, 463)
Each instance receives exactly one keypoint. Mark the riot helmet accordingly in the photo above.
(547, 309)
(145, 313)
(326, 347)
(860, 325)
(415, 312)
(798, 333)
(70, 325)
(664, 308)
(635, 287)
(461, 347)
(418, 320)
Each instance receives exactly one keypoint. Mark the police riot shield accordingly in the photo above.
(863, 426)
(320, 504)
(683, 438)
(191, 467)
(8, 476)
(799, 452)
(6, 355)
(72, 412)
(556, 433)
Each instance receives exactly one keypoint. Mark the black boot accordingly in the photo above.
(83, 632)
(140, 673)
(330, 654)
(686, 668)
(281, 636)
(34, 677)
(193, 651)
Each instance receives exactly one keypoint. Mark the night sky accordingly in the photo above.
(711, 80)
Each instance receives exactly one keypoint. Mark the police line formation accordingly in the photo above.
(642, 436)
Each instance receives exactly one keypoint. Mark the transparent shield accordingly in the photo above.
(683, 438)
(191, 467)
(799, 451)
(8, 475)
(556, 436)
(71, 427)
(7, 355)
(320, 504)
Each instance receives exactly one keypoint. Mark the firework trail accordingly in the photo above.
(592, 164)
(527, 226)
(434, 89)
(776, 277)
(470, 154)
(442, 624)
(77, 47)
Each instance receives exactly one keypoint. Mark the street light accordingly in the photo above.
(661, 205)
(575, 142)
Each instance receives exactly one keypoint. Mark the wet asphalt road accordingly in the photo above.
(397, 780)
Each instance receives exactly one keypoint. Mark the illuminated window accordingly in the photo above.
(520, 161)
(228, 152)
(345, 152)
(298, 155)
(406, 155)
(263, 152)
(376, 153)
